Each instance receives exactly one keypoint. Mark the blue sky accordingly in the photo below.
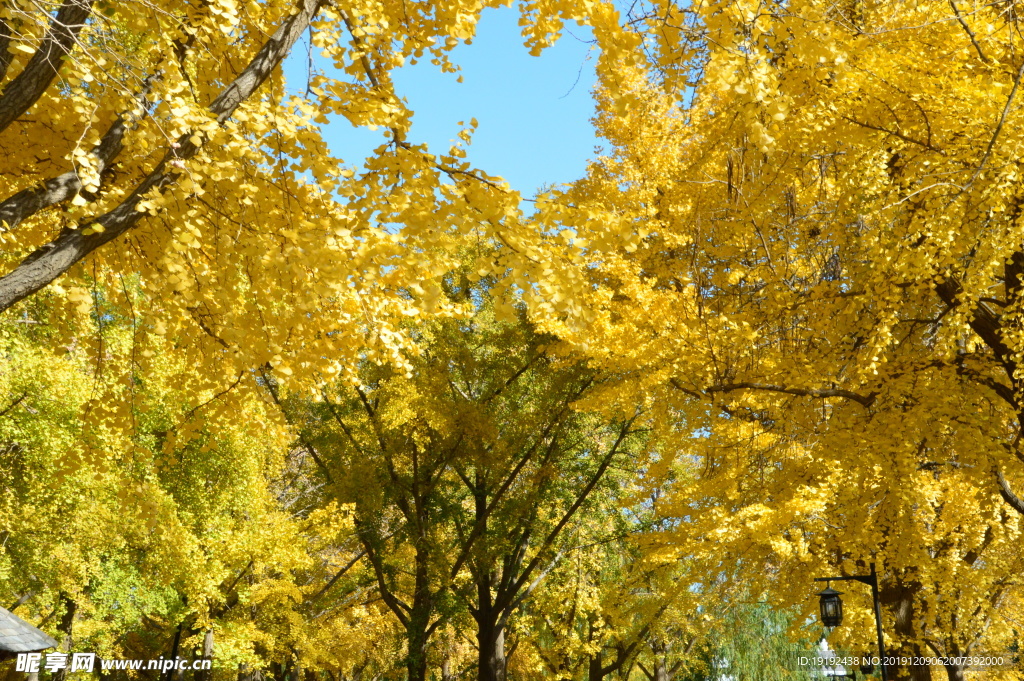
(533, 112)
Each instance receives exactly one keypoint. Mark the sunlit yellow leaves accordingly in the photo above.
(764, 257)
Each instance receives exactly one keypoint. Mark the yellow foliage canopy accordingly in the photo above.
(806, 247)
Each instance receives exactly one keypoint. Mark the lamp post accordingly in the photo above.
(832, 607)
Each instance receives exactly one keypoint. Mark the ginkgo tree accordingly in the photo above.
(160, 171)
(162, 139)
(804, 246)
(800, 259)
(191, 535)
(469, 473)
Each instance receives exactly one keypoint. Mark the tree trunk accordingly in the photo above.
(66, 622)
(204, 674)
(419, 621)
(490, 625)
(446, 668)
(169, 674)
(594, 667)
(955, 672)
(491, 640)
(416, 661)
(660, 663)
(279, 671)
(899, 596)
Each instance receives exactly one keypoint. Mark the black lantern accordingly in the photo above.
(831, 607)
(867, 668)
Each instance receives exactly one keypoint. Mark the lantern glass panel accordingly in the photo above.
(831, 607)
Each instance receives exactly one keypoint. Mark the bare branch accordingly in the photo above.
(346, 568)
(968, 31)
(13, 404)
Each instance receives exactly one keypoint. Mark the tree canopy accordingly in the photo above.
(313, 416)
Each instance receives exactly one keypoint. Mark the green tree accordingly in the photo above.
(467, 468)
(750, 642)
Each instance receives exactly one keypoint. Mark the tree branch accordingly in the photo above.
(968, 31)
(306, 444)
(21, 93)
(996, 132)
(13, 404)
(63, 187)
(481, 522)
(864, 400)
(566, 517)
(397, 606)
(348, 566)
(894, 133)
(1015, 502)
(21, 600)
(983, 322)
(72, 245)
(5, 44)
(337, 417)
(525, 593)
(232, 597)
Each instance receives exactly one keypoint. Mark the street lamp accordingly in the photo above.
(832, 607)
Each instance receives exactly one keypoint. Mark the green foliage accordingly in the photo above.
(752, 642)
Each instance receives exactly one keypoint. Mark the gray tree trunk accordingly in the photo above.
(204, 674)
